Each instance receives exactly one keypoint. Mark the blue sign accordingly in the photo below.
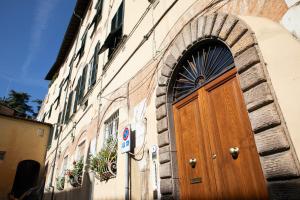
(125, 145)
(125, 134)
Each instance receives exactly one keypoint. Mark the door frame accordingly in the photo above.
(262, 106)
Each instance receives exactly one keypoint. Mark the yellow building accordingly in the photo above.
(23, 145)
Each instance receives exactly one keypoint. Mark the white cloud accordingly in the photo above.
(40, 22)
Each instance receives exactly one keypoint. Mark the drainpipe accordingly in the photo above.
(127, 172)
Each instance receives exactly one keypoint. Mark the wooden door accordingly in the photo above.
(207, 124)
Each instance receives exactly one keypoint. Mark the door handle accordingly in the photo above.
(193, 162)
(234, 151)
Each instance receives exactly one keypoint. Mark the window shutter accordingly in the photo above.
(95, 64)
(50, 137)
(58, 98)
(120, 15)
(79, 88)
(50, 111)
(97, 16)
(83, 82)
(83, 40)
(57, 125)
(76, 98)
(67, 116)
(116, 32)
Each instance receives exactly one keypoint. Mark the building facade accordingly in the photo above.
(23, 147)
(209, 89)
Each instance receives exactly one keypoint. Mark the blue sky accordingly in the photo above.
(30, 37)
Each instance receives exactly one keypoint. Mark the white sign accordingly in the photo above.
(139, 123)
(125, 140)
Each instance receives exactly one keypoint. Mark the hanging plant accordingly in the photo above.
(60, 182)
(104, 163)
(75, 175)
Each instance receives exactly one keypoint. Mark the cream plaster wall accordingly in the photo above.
(272, 39)
(280, 51)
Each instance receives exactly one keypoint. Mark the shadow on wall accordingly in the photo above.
(76, 193)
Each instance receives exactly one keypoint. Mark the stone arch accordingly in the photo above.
(271, 136)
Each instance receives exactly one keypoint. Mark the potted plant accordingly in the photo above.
(60, 182)
(104, 163)
(75, 175)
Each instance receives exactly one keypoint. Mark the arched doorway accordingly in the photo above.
(27, 175)
(216, 153)
(276, 152)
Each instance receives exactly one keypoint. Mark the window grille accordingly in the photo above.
(111, 126)
(200, 65)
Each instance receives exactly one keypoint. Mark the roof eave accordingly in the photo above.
(70, 36)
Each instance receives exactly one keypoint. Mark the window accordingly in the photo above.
(93, 147)
(58, 127)
(82, 83)
(83, 41)
(80, 88)
(80, 151)
(98, 15)
(2, 155)
(68, 110)
(94, 66)
(64, 166)
(59, 93)
(50, 137)
(50, 111)
(44, 117)
(76, 95)
(111, 126)
(115, 36)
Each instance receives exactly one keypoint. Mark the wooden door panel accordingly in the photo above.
(207, 123)
(240, 178)
(191, 145)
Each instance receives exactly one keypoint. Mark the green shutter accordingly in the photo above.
(79, 90)
(76, 98)
(83, 40)
(50, 111)
(120, 15)
(98, 16)
(50, 137)
(63, 121)
(57, 125)
(58, 99)
(67, 115)
(83, 83)
(94, 67)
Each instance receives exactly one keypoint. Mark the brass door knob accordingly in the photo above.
(214, 156)
(193, 162)
(234, 151)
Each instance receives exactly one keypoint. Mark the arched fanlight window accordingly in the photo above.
(199, 65)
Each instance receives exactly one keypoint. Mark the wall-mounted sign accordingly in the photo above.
(125, 144)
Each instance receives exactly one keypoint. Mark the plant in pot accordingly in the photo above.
(75, 175)
(104, 163)
(60, 182)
